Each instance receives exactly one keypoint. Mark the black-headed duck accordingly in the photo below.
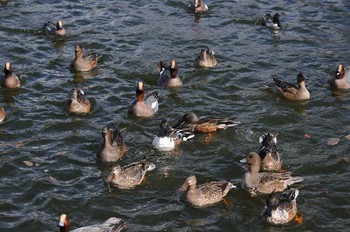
(2, 114)
(127, 177)
(270, 157)
(341, 79)
(113, 146)
(82, 62)
(291, 91)
(10, 80)
(55, 29)
(198, 6)
(168, 75)
(112, 224)
(281, 208)
(256, 182)
(168, 138)
(272, 21)
(206, 59)
(205, 194)
(145, 105)
(78, 103)
(204, 124)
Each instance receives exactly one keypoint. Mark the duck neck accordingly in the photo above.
(140, 95)
(254, 168)
(78, 55)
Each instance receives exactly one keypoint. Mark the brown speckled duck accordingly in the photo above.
(55, 29)
(10, 80)
(129, 176)
(2, 114)
(270, 157)
(113, 146)
(206, 59)
(281, 208)
(256, 182)
(168, 75)
(198, 6)
(78, 103)
(205, 194)
(112, 224)
(82, 62)
(341, 79)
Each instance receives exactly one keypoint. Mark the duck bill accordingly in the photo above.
(110, 177)
(184, 187)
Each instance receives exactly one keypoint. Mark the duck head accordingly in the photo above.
(340, 73)
(173, 69)
(140, 91)
(64, 223)
(8, 69)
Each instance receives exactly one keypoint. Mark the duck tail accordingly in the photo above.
(224, 123)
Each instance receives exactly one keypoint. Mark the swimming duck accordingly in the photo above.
(291, 91)
(112, 224)
(78, 103)
(168, 76)
(204, 124)
(198, 6)
(281, 208)
(270, 157)
(272, 22)
(2, 114)
(341, 79)
(10, 80)
(206, 59)
(129, 176)
(113, 147)
(168, 138)
(205, 194)
(256, 182)
(82, 62)
(55, 29)
(144, 106)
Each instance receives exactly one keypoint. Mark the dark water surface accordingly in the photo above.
(133, 36)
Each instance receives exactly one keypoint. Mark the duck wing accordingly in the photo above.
(285, 86)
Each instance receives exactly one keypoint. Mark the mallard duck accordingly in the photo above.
(112, 224)
(291, 91)
(281, 208)
(204, 124)
(168, 138)
(129, 176)
(55, 29)
(10, 80)
(198, 6)
(168, 75)
(341, 79)
(264, 182)
(82, 62)
(270, 157)
(78, 103)
(144, 106)
(206, 59)
(113, 146)
(205, 194)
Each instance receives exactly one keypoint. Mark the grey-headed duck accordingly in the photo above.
(113, 146)
(270, 157)
(78, 103)
(256, 182)
(198, 6)
(291, 91)
(2, 114)
(204, 124)
(168, 138)
(205, 194)
(10, 80)
(55, 29)
(272, 21)
(83, 62)
(145, 105)
(168, 75)
(127, 177)
(112, 224)
(341, 79)
(206, 59)
(281, 208)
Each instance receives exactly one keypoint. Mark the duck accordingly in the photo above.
(10, 81)
(256, 182)
(281, 208)
(272, 21)
(128, 176)
(84, 63)
(205, 194)
(112, 224)
(144, 106)
(168, 138)
(270, 157)
(291, 91)
(198, 6)
(341, 79)
(204, 124)
(2, 114)
(206, 59)
(168, 75)
(113, 146)
(78, 103)
(55, 29)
